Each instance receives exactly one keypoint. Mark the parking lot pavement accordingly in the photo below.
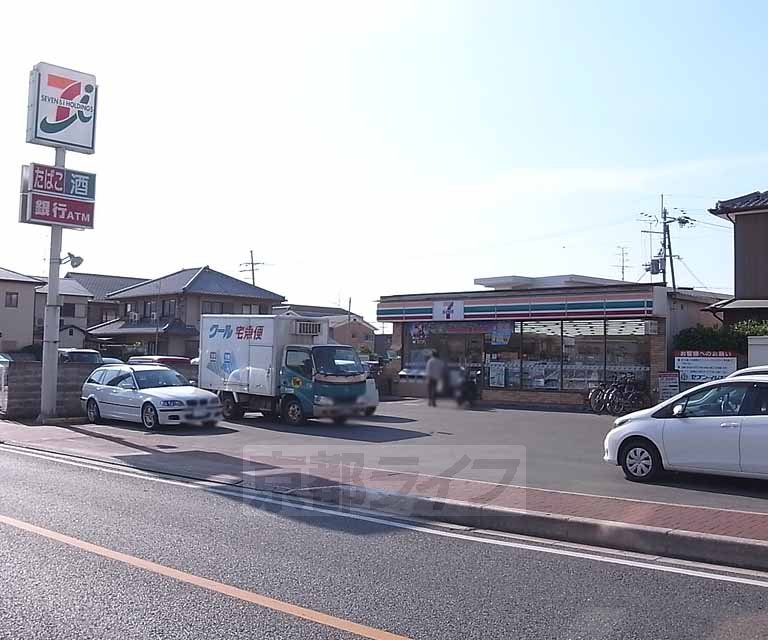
(557, 452)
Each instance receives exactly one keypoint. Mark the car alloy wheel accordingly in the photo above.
(149, 417)
(92, 411)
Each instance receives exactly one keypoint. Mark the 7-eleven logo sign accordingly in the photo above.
(62, 108)
(72, 103)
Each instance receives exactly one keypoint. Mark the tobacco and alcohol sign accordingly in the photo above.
(57, 196)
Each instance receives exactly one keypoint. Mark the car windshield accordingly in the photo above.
(337, 361)
(151, 379)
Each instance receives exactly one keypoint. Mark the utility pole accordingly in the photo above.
(664, 230)
(251, 266)
(668, 237)
(157, 316)
(623, 251)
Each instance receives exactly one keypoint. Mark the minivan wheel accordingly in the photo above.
(149, 417)
(92, 411)
(640, 460)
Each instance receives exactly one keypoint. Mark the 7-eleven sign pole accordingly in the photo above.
(51, 321)
(61, 113)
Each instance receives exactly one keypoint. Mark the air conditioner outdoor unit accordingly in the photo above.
(133, 316)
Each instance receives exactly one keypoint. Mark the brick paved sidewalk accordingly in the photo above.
(281, 476)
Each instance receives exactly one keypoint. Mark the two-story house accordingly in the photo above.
(73, 313)
(100, 308)
(17, 308)
(162, 316)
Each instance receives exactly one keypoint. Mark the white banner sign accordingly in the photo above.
(704, 369)
(669, 385)
(62, 108)
(448, 310)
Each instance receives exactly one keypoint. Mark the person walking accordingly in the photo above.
(435, 371)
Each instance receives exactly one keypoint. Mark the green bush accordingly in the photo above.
(722, 338)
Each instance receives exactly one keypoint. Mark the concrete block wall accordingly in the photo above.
(24, 380)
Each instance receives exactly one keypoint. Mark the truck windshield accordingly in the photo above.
(337, 361)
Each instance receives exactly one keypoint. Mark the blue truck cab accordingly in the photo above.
(322, 381)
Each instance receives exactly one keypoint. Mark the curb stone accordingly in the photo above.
(674, 543)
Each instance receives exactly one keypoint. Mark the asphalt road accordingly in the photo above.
(559, 450)
(439, 583)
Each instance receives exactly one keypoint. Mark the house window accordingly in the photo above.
(110, 314)
(68, 310)
(149, 308)
(12, 299)
(130, 307)
(212, 307)
(169, 309)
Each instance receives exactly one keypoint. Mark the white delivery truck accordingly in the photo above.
(283, 366)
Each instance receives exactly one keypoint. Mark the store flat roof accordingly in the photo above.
(545, 282)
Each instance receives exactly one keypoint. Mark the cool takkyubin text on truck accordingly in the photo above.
(282, 366)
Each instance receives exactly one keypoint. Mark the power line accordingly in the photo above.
(693, 275)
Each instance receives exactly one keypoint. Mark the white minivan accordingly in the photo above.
(719, 427)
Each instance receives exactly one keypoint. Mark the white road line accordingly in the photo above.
(548, 549)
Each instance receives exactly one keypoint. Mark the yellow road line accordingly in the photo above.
(218, 587)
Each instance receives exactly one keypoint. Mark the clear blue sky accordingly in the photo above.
(400, 147)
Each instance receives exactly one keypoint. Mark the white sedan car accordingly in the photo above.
(150, 394)
(718, 427)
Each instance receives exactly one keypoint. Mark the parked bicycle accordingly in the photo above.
(620, 396)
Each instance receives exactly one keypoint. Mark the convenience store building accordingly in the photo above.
(546, 339)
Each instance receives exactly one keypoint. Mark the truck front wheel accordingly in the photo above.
(293, 414)
(230, 409)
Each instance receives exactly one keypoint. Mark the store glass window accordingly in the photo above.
(583, 353)
(456, 343)
(541, 352)
(628, 350)
(502, 355)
